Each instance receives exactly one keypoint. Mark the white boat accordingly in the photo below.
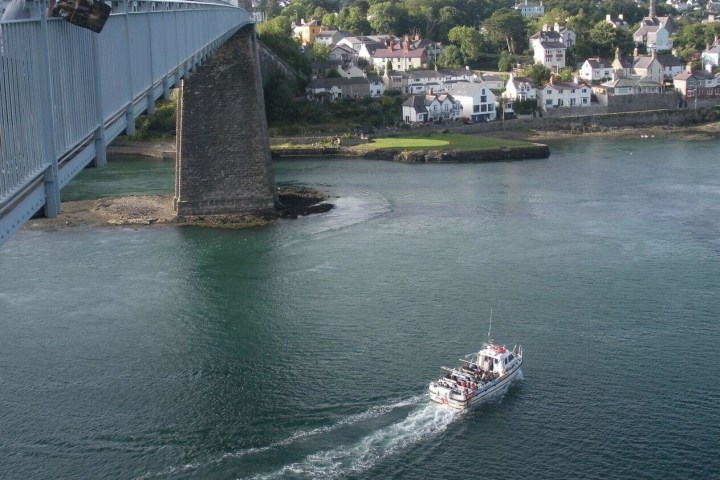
(481, 375)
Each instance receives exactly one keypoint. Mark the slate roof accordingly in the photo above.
(517, 81)
(632, 81)
(599, 63)
(668, 60)
(552, 44)
(467, 89)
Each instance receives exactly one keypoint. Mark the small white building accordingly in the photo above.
(377, 86)
(596, 69)
(477, 100)
(633, 85)
(564, 95)
(549, 45)
(431, 107)
(530, 9)
(711, 56)
(654, 37)
(518, 89)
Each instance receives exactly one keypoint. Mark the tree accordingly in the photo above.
(603, 39)
(539, 74)
(388, 17)
(451, 57)
(320, 51)
(505, 63)
(469, 40)
(507, 25)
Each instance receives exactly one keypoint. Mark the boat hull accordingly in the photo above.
(444, 397)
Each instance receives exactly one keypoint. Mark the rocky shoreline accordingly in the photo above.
(157, 210)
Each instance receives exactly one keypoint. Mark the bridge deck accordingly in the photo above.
(66, 92)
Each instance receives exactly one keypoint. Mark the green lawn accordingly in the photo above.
(440, 141)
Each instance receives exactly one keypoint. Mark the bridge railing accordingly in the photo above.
(66, 92)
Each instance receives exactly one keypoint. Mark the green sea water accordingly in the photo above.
(304, 349)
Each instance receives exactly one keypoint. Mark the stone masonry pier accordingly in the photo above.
(223, 163)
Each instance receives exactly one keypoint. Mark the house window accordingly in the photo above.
(584, 90)
(572, 102)
(585, 100)
(548, 101)
(483, 108)
(572, 90)
(476, 108)
(561, 91)
(483, 99)
(549, 92)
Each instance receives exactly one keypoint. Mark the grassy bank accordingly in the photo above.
(440, 141)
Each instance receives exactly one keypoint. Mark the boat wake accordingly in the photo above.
(422, 423)
(424, 420)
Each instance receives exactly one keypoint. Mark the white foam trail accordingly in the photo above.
(423, 423)
(372, 412)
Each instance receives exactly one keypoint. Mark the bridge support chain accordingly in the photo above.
(223, 163)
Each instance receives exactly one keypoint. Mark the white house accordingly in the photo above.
(654, 37)
(477, 100)
(671, 65)
(596, 69)
(549, 46)
(328, 37)
(431, 107)
(630, 86)
(377, 86)
(518, 89)
(649, 66)
(550, 54)
(530, 9)
(711, 56)
(563, 95)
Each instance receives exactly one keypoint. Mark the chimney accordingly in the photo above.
(608, 18)
(392, 45)
(407, 42)
(688, 67)
(577, 80)
(552, 79)
(653, 55)
(557, 27)
(635, 52)
(417, 37)
(621, 17)
(545, 27)
(652, 9)
(430, 92)
(717, 39)
(617, 53)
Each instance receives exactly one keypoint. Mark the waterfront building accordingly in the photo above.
(477, 100)
(431, 107)
(530, 9)
(563, 94)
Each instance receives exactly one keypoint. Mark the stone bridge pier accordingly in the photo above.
(223, 163)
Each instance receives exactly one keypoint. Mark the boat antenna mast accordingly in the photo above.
(488, 339)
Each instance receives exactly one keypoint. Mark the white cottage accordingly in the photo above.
(477, 100)
(431, 107)
(564, 94)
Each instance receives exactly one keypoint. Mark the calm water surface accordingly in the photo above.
(303, 350)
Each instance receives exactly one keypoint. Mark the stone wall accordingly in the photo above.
(674, 116)
(223, 163)
(638, 102)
